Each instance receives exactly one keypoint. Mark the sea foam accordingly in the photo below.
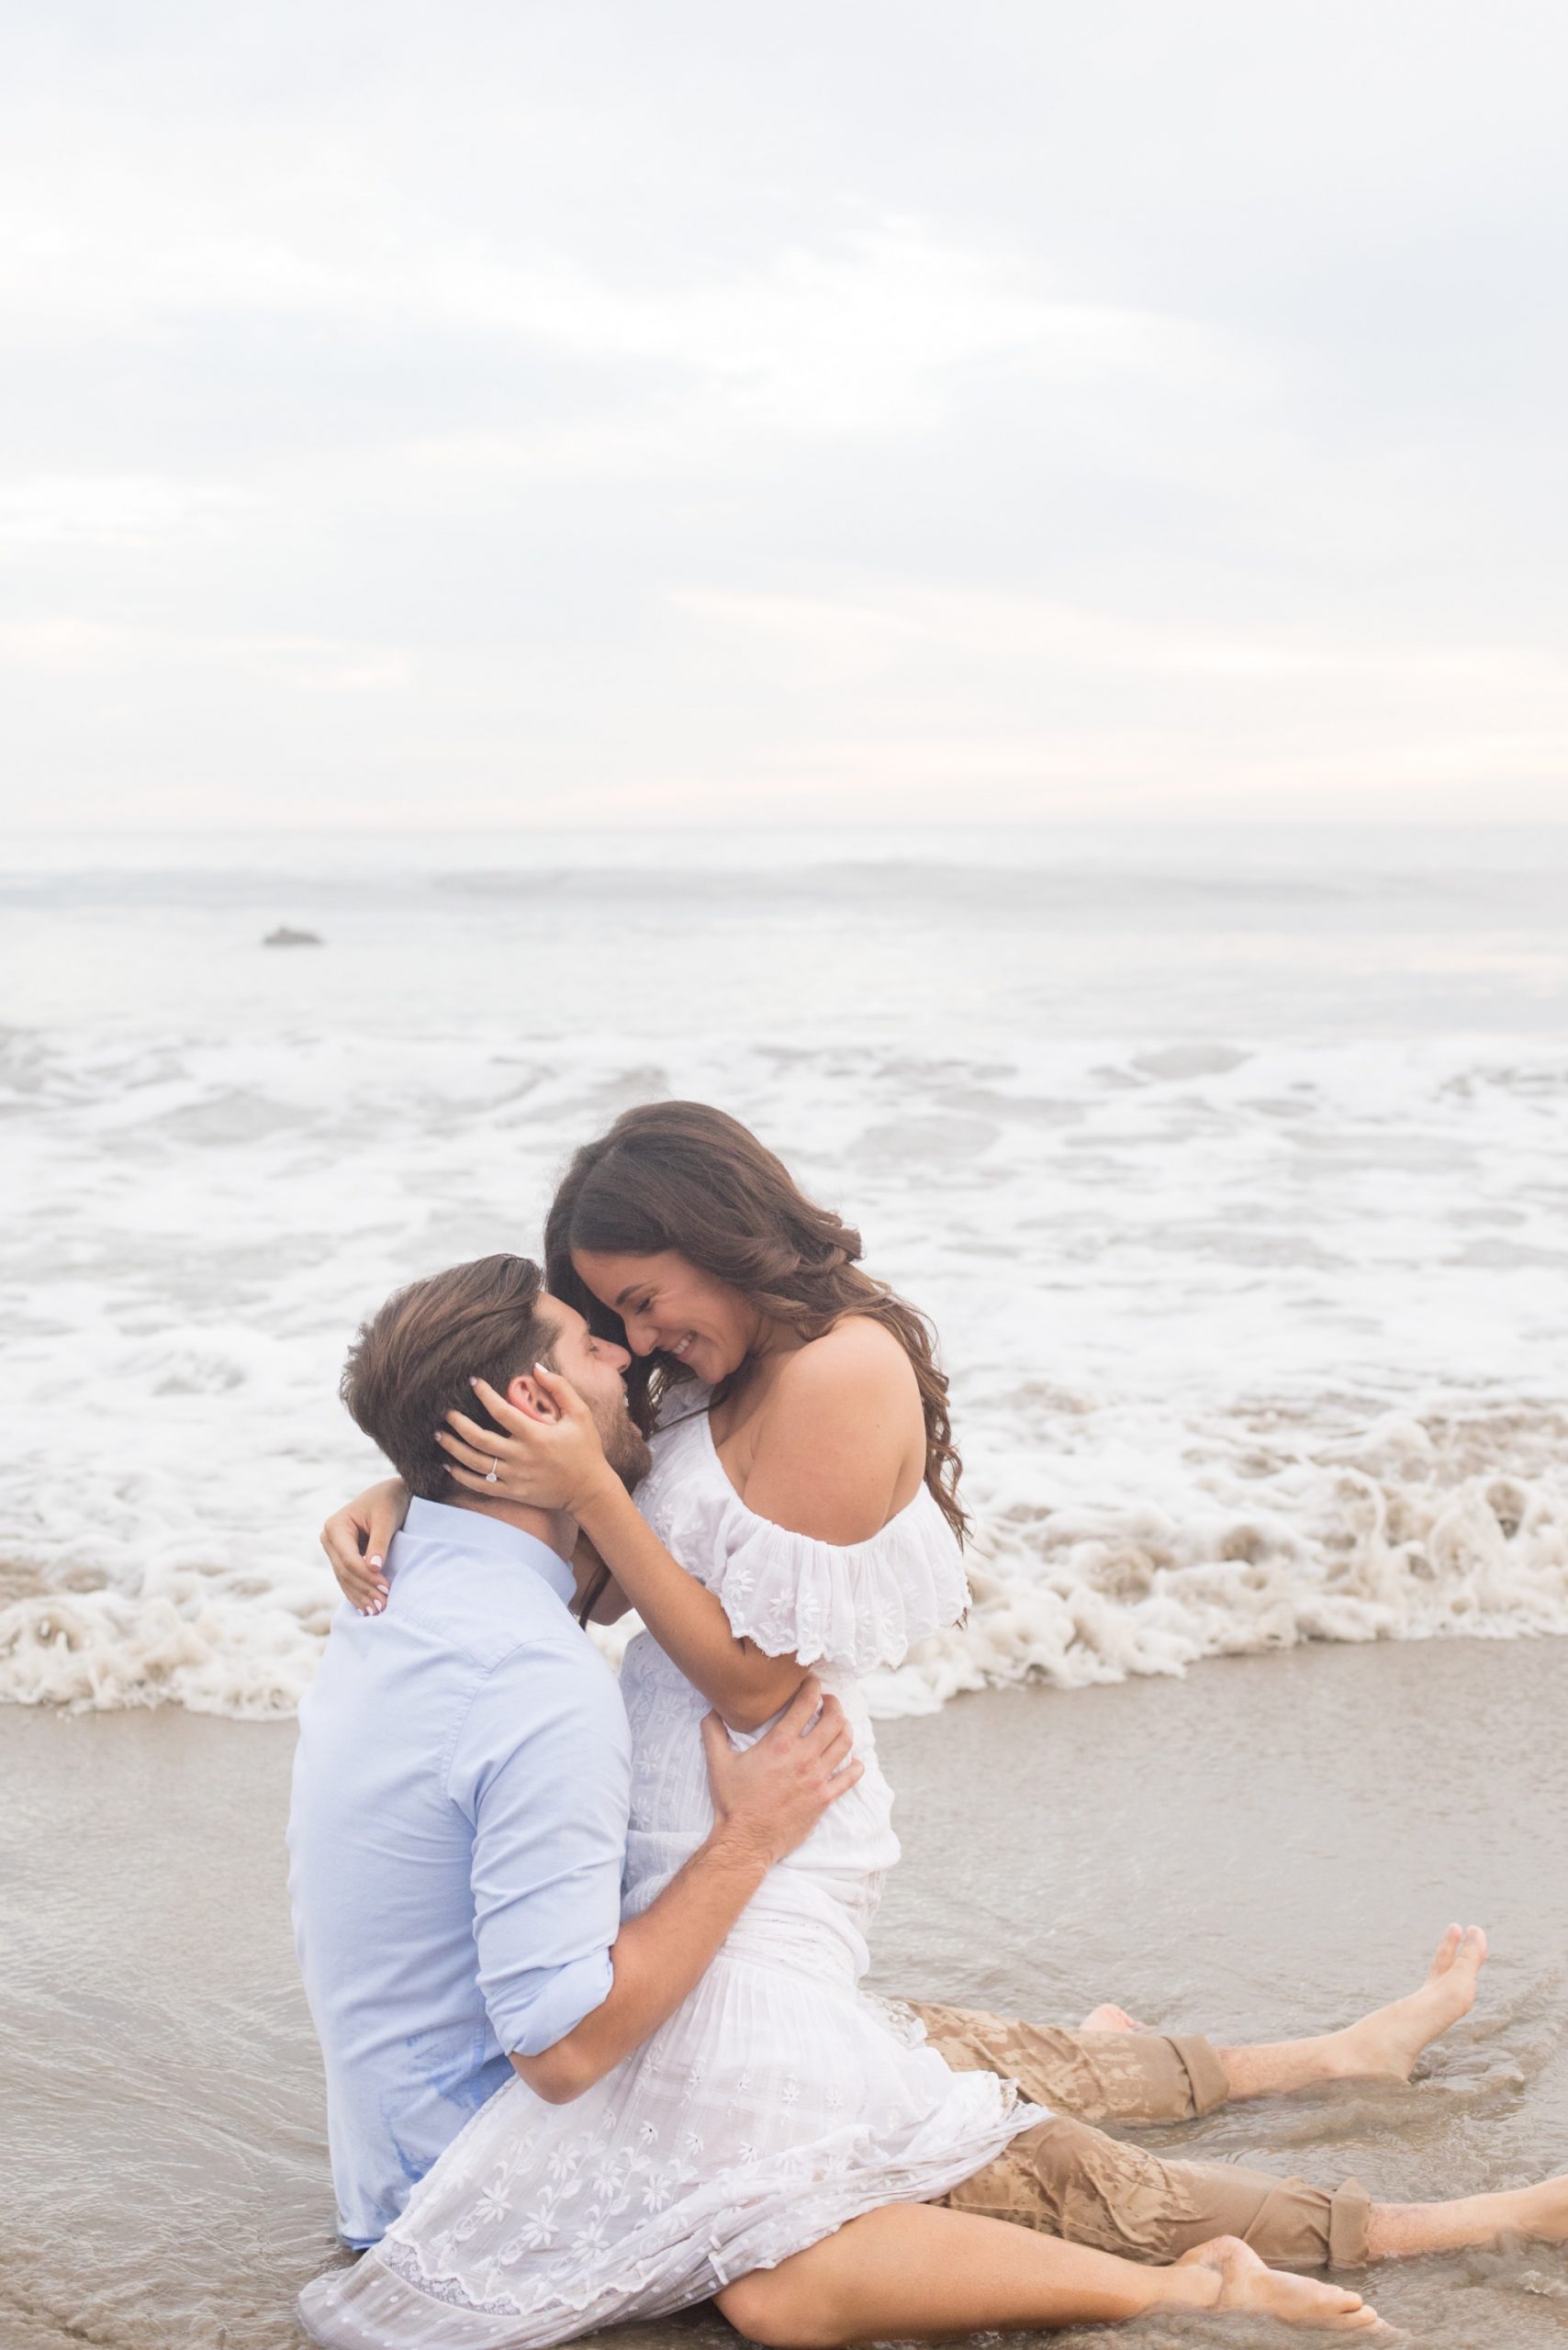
(1245, 1254)
(1391, 1535)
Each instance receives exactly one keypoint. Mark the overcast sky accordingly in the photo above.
(747, 410)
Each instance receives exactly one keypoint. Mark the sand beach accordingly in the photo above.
(1272, 1842)
(1229, 1170)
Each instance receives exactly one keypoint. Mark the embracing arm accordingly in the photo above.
(747, 1686)
(563, 1459)
(541, 1769)
(656, 1961)
(767, 1800)
(840, 1436)
(357, 1537)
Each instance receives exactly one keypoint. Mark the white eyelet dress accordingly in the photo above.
(779, 2101)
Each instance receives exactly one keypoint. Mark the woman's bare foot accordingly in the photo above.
(1110, 2019)
(1246, 2284)
(1389, 2041)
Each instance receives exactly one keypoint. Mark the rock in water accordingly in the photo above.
(284, 936)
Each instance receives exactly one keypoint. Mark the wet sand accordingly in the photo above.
(1271, 1845)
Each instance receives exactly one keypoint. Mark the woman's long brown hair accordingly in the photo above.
(679, 1176)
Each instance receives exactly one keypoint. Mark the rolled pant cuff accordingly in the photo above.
(1349, 2226)
(1204, 2072)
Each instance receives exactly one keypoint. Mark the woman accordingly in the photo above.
(801, 1511)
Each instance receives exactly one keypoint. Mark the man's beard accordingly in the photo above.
(625, 1447)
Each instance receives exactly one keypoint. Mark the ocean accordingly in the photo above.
(1231, 1165)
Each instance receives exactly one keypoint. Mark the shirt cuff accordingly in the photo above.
(545, 2013)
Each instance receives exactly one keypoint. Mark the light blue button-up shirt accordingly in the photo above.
(457, 1840)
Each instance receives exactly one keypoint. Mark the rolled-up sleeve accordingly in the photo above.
(542, 1770)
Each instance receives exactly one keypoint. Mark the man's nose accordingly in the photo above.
(624, 1362)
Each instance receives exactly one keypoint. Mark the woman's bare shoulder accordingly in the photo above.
(841, 1445)
(858, 1357)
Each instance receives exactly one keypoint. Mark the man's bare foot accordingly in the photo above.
(1397, 2230)
(1246, 2284)
(1538, 2212)
(1389, 2041)
(1110, 2019)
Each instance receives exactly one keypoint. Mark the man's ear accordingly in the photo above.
(530, 1397)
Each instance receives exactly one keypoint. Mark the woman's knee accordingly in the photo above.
(769, 2307)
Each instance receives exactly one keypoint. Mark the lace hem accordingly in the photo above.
(402, 2260)
(709, 2235)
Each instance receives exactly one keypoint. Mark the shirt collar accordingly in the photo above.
(489, 1537)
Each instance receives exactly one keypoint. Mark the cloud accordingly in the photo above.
(861, 331)
(65, 646)
(59, 647)
(114, 509)
(857, 335)
(879, 632)
(868, 405)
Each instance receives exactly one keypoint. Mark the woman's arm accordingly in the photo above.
(560, 1464)
(830, 1451)
(357, 1537)
(740, 1681)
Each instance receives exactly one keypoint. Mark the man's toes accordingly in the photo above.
(1445, 1954)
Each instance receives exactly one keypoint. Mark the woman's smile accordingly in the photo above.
(649, 1292)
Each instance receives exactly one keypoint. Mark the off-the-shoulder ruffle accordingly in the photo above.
(853, 1606)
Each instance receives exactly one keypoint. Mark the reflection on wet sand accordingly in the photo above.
(1268, 1846)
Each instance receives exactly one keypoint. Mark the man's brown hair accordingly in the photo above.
(412, 1363)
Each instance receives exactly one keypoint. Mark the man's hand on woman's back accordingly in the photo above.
(767, 1797)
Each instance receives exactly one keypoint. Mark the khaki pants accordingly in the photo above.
(1071, 2180)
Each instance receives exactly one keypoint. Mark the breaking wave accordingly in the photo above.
(1258, 1333)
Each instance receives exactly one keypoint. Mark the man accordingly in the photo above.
(460, 1786)
(456, 1837)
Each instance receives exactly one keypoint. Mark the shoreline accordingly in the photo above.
(1268, 1846)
